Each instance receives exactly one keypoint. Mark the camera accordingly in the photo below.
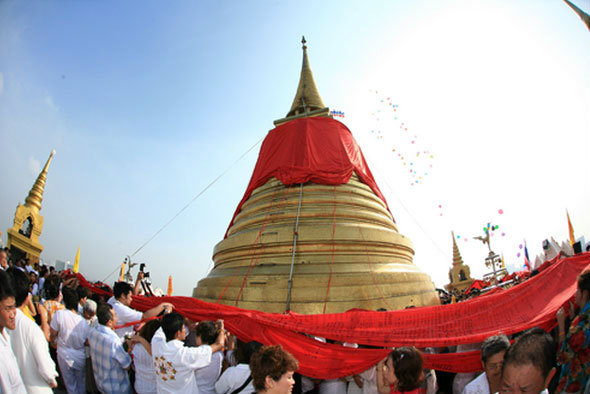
(145, 274)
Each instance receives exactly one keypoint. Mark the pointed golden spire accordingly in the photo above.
(307, 100)
(35, 196)
(457, 259)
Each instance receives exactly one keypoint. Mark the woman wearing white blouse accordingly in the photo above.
(239, 376)
(145, 374)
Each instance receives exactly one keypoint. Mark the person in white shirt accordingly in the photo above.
(175, 363)
(70, 330)
(10, 379)
(145, 374)
(89, 314)
(239, 376)
(492, 357)
(29, 344)
(121, 302)
(206, 334)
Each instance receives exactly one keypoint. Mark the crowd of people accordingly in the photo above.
(56, 335)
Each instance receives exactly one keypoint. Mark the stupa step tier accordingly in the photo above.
(349, 253)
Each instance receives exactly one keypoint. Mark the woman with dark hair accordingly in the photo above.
(145, 374)
(401, 372)
(69, 330)
(236, 380)
(206, 334)
(272, 370)
(574, 346)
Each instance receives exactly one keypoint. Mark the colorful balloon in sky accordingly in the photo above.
(388, 127)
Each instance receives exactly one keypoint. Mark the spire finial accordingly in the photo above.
(307, 100)
(35, 196)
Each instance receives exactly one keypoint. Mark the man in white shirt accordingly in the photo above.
(10, 379)
(29, 344)
(492, 356)
(175, 363)
(121, 302)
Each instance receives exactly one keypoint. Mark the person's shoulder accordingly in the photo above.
(479, 385)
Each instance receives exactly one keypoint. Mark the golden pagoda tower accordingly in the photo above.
(313, 233)
(23, 236)
(460, 274)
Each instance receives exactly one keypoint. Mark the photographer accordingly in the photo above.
(121, 302)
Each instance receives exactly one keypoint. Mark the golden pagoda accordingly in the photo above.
(23, 236)
(460, 274)
(313, 233)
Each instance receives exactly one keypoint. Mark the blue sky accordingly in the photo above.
(147, 103)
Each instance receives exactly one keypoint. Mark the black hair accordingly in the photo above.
(51, 287)
(534, 346)
(104, 313)
(494, 345)
(6, 289)
(70, 298)
(82, 292)
(584, 281)
(20, 284)
(246, 350)
(208, 331)
(407, 364)
(121, 288)
(149, 329)
(171, 324)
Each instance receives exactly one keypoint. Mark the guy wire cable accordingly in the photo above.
(191, 201)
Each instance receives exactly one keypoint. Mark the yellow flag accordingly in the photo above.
(169, 292)
(77, 262)
(122, 275)
(571, 229)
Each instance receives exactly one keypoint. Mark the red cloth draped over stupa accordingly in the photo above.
(315, 149)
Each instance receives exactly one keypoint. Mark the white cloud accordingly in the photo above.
(34, 166)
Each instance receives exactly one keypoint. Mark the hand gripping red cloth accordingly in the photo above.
(529, 304)
(318, 149)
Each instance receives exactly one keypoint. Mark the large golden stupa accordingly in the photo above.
(313, 233)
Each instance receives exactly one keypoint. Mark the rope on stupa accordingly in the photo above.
(252, 251)
(295, 236)
(333, 249)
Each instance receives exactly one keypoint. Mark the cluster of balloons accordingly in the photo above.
(337, 113)
(416, 159)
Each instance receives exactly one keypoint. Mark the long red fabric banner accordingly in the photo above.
(529, 304)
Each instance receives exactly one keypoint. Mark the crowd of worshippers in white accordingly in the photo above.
(174, 355)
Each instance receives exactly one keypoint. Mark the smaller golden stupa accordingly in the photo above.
(23, 236)
(460, 274)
